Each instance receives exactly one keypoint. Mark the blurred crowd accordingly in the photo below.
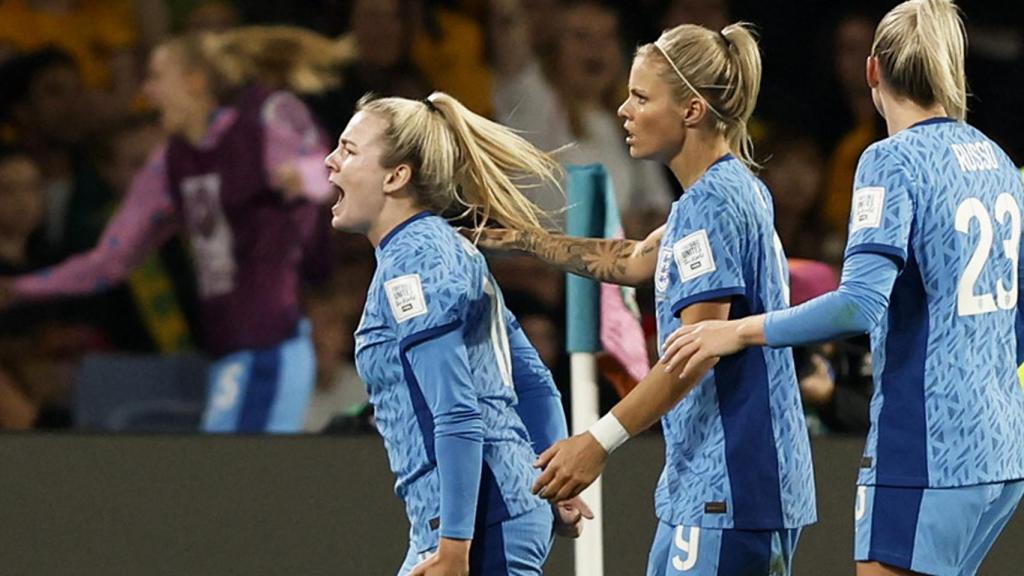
(75, 128)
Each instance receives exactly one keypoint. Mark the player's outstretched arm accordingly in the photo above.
(856, 307)
(616, 261)
(145, 220)
(572, 465)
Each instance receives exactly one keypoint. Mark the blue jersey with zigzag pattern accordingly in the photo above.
(429, 279)
(737, 453)
(945, 202)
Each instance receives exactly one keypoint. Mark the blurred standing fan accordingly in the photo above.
(132, 393)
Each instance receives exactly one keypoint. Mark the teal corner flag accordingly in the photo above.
(587, 189)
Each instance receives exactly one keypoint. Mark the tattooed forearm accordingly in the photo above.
(604, 260)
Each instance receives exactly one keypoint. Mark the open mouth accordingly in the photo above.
(341, 196)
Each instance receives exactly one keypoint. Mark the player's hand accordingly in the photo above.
(498, 239)
(569, 467)
(569, 517)
(451, 559)
(701, 342)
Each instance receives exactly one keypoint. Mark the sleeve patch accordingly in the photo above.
(405, 294)
(868, 204)
(693, 256)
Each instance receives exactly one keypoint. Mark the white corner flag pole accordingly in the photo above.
(583, 296)
(589, 547)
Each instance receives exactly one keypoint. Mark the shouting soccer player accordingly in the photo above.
(461, 397)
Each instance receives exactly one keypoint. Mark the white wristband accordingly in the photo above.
(609, 432)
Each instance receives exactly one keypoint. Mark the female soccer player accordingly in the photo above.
(738, 484)
(444, 360)
(242, 160)
(932, 271)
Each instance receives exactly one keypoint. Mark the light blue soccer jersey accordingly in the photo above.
(429, 281)
(737, 449)
(945, 202)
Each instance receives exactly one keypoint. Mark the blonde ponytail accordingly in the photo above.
(497, 164)
(460, 158)
(741, 96)
(281, 57)
(920, 46)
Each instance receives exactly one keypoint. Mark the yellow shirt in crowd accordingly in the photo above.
(91, 31)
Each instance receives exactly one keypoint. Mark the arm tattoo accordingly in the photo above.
(604, 260)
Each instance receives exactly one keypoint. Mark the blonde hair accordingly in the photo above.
(723, 69)
(282, 57)
(920, 47)
(459, 158)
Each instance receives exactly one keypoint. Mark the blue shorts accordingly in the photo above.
(695, 551)
(266, 390)
(940, 531)
(517, 547)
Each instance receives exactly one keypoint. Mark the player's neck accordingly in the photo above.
(394, 213)
(903, 113)
(699, 152)
(199, 121)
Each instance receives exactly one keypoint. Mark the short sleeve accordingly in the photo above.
(881, 212)
(706, 252)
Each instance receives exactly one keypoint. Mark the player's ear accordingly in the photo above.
(694, 112)
(871, 72)
(397, 178)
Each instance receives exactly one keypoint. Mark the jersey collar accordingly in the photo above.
(935, 120)
(387, 237)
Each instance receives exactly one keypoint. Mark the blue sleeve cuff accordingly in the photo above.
(428, 334)
(706, 295)
(899, 255)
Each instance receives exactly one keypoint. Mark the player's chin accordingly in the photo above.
(338, 221)
(638, 153)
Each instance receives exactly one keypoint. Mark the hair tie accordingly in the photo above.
(430, 105)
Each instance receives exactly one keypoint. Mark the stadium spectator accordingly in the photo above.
(794, 172)
(40, 101)
(33, 343)
(334, 314)
(449, 48)
(153, 309)
(852, 45)
(571, 99)
(103, 37)
(243, 163)
(383, 38)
